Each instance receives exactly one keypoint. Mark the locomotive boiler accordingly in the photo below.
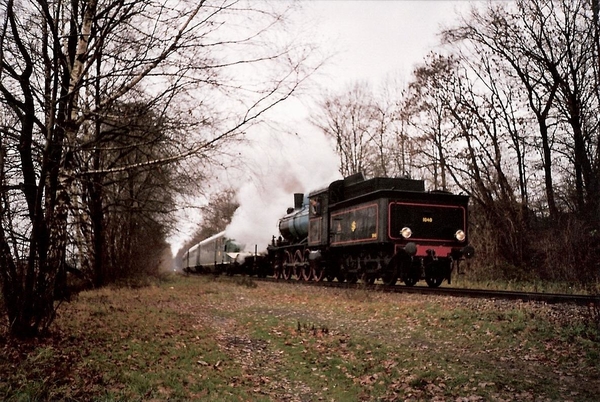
(382, 228)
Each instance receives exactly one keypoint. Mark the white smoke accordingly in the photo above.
(279, 166)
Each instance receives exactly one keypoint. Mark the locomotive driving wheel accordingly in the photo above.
(308, 270)
(288, 265)
(302, 268)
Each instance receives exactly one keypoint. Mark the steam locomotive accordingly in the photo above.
(382, 228)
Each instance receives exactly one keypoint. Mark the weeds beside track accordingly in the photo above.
(207, 338)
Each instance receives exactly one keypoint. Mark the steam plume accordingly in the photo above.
(295, 164)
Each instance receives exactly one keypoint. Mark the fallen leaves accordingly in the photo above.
(200, 339)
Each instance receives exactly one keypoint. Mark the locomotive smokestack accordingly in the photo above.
(298, 198)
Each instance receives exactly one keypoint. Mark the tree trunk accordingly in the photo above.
(547, 158)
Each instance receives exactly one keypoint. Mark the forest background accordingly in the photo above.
(113, 113)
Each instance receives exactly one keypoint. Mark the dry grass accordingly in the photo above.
(239, 340)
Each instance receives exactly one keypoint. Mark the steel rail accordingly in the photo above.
(550, 298)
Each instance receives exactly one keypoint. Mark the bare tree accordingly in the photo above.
(216, 214)
(65, 66)
(347, 119)
(127, 209)
(390, 140)
(426, 110)
(364, 126)
(526, 86)
(551, 47)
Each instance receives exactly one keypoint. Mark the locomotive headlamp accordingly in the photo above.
(460, 235)
(406, 232)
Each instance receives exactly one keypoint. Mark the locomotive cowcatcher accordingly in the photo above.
(382, 228)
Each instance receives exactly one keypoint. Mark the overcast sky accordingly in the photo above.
(371, 40)
(376, 38)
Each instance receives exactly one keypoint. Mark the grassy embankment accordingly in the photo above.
(201, 338)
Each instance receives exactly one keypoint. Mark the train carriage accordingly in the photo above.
(219, 254)
(216, 254)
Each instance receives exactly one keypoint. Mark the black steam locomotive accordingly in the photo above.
(382, 228)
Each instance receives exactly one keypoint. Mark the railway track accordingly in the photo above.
(550, 298)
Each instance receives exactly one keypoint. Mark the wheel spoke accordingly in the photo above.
(299, 265)
(287, 266)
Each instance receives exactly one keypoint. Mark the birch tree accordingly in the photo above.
(209, 69)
